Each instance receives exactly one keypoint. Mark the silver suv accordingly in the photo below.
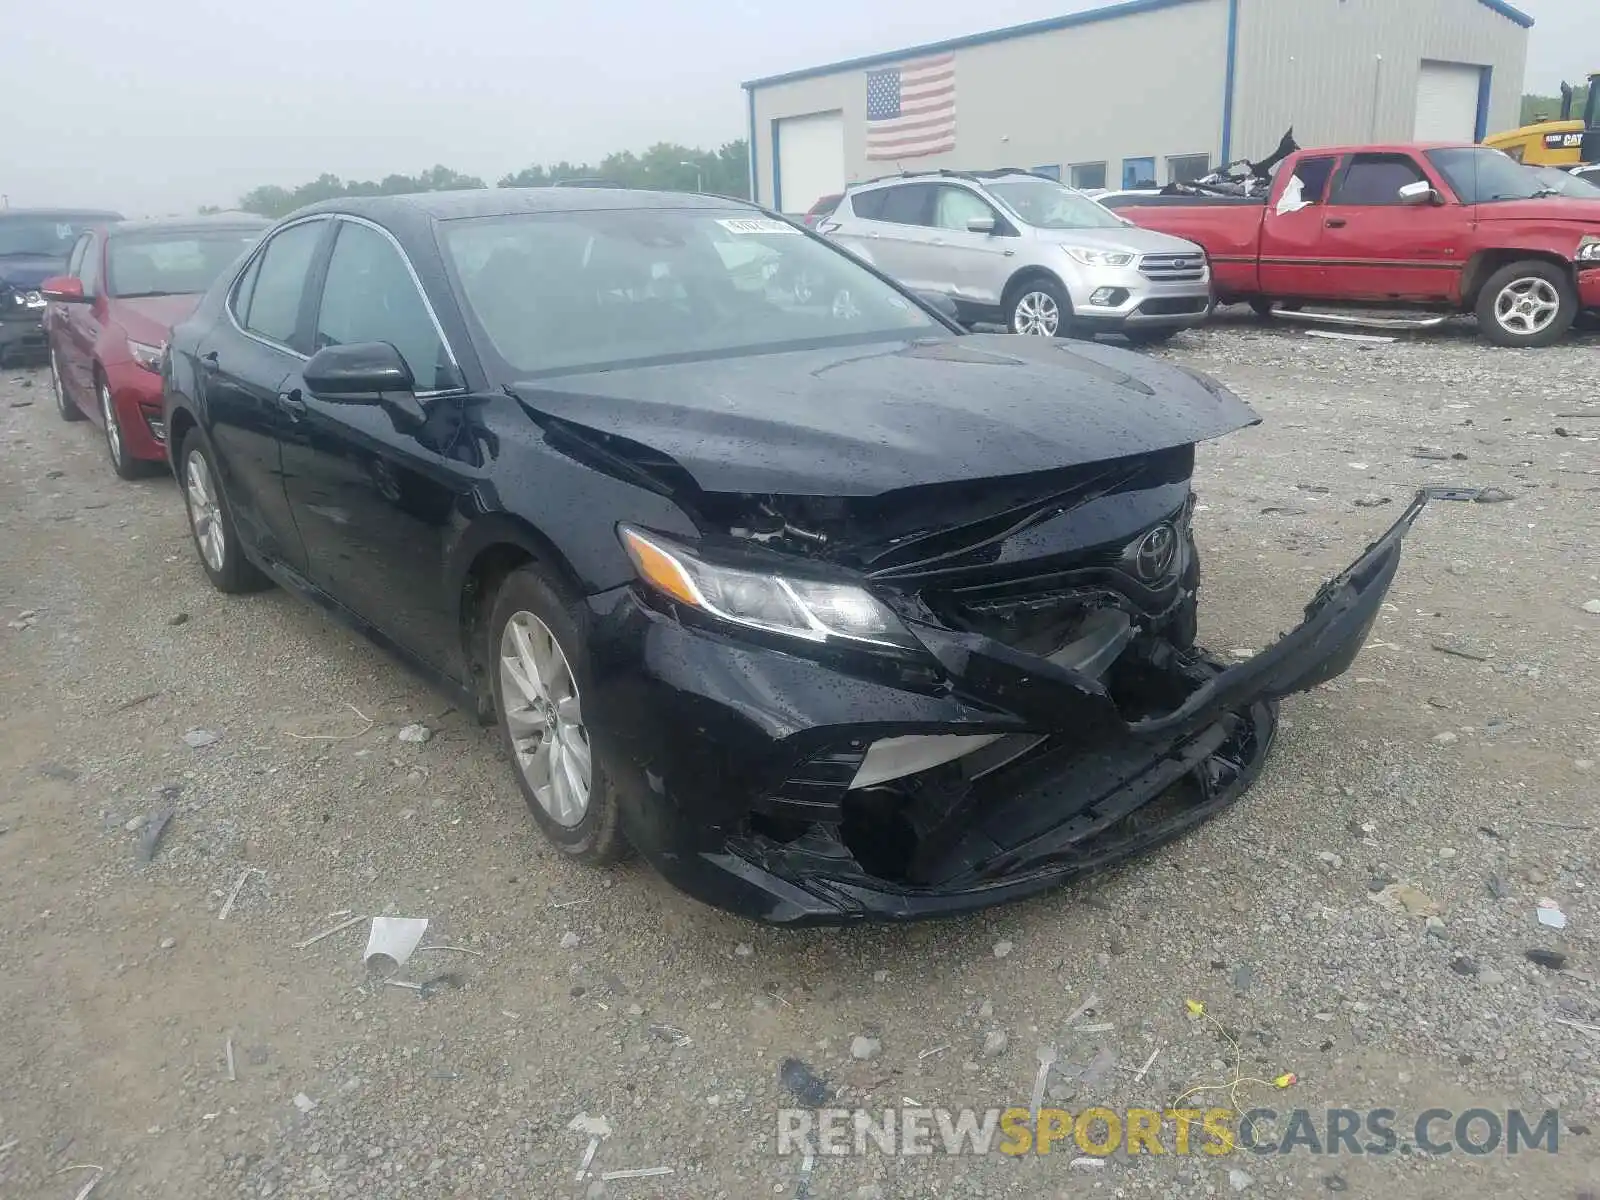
(1018, 249)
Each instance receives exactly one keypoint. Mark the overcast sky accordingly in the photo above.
(165, 105)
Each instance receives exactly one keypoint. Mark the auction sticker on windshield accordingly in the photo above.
(755, 225)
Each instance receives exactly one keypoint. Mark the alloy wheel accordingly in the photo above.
(1527, 306)
(113, 429)
(544, 717)
(1038, 314)
(205, 512)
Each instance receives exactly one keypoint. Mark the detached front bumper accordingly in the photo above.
(734, 761)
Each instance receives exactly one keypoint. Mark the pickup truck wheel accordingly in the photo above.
(1529, 303)
(1041, 308)
(1262, 309)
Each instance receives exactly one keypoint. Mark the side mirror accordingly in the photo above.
(980, 225)
(366, 373)
(942, 305)
(1420, 192)
(65, 288)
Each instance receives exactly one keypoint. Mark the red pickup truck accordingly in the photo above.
(1443, 227)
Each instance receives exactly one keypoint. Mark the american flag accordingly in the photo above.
(911, 108)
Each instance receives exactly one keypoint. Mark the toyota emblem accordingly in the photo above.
(1154, 555)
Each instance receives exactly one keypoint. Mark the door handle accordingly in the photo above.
(292, 403)
(208, 360)
(1336, 222)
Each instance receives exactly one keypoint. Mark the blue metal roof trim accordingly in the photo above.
(1505, 10)
(1090, 16)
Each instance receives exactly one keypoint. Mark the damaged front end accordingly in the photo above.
(1027, 705)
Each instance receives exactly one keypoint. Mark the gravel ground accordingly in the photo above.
(1470, 779)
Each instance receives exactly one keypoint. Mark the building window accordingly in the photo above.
(1185, 168)
(1088, 176)
(1052, 171)
(1138, 172)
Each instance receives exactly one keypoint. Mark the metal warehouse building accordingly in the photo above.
(1142, 91)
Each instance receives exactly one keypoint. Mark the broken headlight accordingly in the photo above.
(804, 608)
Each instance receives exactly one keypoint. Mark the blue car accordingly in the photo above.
(35, 244)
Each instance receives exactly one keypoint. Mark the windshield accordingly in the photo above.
(1479, 175)
(575, 290)
(1047, 205)
(40, 237)
(172, 264)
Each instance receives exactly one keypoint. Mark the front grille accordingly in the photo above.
(1174, 268)
(1167, 306)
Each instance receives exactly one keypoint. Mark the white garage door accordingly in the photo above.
(810, 160)
(1447, 102)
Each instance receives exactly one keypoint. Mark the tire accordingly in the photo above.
(1531, 304)
(1262, 308)
(65, 408)
(1030, 305)
(532, 614)
(228, 569)
(1159, 336)
(123, 463)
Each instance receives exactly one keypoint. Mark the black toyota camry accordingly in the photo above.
(764, 568)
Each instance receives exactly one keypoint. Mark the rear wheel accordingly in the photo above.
(539, 655)
(1262, 308)
(67, 410)
(1529, 303)
(1039, 307)
(216, 538)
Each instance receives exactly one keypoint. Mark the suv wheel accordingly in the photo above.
(1529, 303)
(538, 648)
(1039, 307)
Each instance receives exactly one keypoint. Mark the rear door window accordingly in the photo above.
(1313, 174)
(869, 205)
(272, 308)
(908, 204)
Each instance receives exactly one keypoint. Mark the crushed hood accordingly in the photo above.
(865, 420)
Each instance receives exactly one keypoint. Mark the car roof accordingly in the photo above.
(978, 177)
(213, 221)
(505, 202)
(1392, 148)
(79, 214)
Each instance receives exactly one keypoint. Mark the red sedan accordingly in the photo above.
(109, 316)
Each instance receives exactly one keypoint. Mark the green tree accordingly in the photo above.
(1548, 108)
(666, 166)
(273, 201)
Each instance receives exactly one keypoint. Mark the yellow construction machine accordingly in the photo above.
(1561, 143)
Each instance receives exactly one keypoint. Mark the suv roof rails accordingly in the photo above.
(947, 173)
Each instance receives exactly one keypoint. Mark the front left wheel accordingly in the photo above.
(216, 538)
(1040, 307)
(123, 463)
(539, 667)
(1529, 303)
